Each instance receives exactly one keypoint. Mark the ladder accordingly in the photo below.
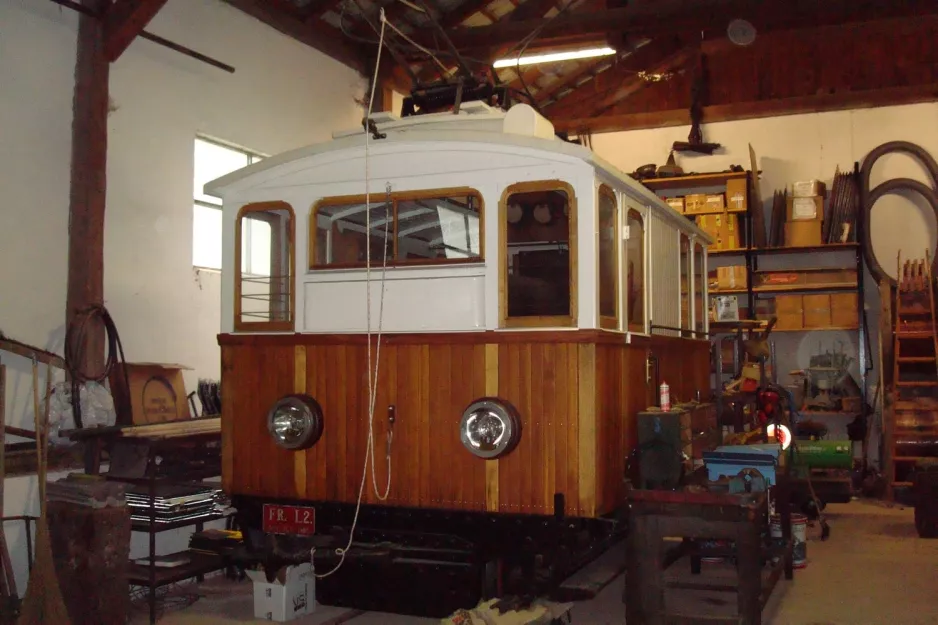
(912, 427)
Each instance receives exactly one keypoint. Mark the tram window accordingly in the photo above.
(700, 281)
(635, 272)
(438, 228)
(539, 270)
(608, 259)
(342, 233)
(264, 264)
(685, 282)
(424, 227)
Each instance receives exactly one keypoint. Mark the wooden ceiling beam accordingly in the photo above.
(532, 10)
(754, 110)
(685, 16)
(571, 79)
(123, 21)
(316, 33)
(317, 8)
(635, 82)
(461, 13)
(590, 95)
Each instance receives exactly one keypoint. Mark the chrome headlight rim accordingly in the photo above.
(509, 424)
(307, 422)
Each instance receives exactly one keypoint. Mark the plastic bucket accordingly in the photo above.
(799, 527)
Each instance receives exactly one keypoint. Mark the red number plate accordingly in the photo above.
(289, 520)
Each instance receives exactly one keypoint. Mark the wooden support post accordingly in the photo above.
(124, 21)
(89, 181)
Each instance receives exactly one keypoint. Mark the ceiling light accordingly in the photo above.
(554, 57)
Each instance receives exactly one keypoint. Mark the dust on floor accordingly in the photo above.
(874, 570)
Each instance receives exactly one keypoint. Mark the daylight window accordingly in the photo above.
(212, 160)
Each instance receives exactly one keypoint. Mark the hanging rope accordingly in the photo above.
(373, 363)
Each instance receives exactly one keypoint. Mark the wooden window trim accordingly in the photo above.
(377, 199)
(634, 328)
(606, 322)
(536, 321)
(270, 326)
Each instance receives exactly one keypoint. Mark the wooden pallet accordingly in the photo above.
(914, 413)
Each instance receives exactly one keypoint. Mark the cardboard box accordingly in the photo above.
(805, 208)
(677, 203)
(808, 188)
(157, 393)
(765, 308)
(789, 310)
(803, 233)
(817, 311)
(292, 594)
(715, 203)
(730, 233)
(736, 196)
(695, 204)
(732, 277)
(844, 310)
(713, 225)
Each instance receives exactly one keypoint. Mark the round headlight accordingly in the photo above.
(295, 422)
(490, 428)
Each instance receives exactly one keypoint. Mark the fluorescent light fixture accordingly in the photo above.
(554, 57)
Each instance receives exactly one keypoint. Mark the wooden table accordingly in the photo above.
(693, 516)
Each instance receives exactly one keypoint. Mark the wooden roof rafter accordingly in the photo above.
(290, 19)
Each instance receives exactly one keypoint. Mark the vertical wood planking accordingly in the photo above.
(491, 390)
(562, 420)
(577, 401)
(229, 479)
(572, 399)
(586, 418)
(440, 490)
(299, 386)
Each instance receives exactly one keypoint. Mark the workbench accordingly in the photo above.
(696, 517)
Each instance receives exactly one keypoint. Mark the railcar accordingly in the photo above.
(507, 291)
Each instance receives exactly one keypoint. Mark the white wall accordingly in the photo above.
(282, 95)
(802, 147)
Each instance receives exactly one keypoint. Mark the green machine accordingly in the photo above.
(821, 454)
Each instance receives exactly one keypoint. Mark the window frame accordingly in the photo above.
(376, 199)
(701, 326)
(253, 157)
(685, 262)
(271, 326)
(539, 321)
(606, 322)
(640, 214)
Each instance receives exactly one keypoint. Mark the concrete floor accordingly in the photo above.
(873, 570)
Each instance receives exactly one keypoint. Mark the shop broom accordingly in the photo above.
(43, 603)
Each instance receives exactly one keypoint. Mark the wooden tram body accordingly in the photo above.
(521, 267)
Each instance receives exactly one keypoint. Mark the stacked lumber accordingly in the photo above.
(174, 429)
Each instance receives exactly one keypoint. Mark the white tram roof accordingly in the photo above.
(476, 122)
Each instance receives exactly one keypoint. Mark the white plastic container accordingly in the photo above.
(292, 594)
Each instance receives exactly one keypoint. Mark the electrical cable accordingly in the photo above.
(524, 46)
(869, 197)
(75, 345)
(372, 374)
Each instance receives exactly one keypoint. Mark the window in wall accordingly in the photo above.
(635, 272)
(539, 270)
(686, 268)
(608, 259)
(421, 228)
(700, 283)
(212, 160)
(264, 267)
